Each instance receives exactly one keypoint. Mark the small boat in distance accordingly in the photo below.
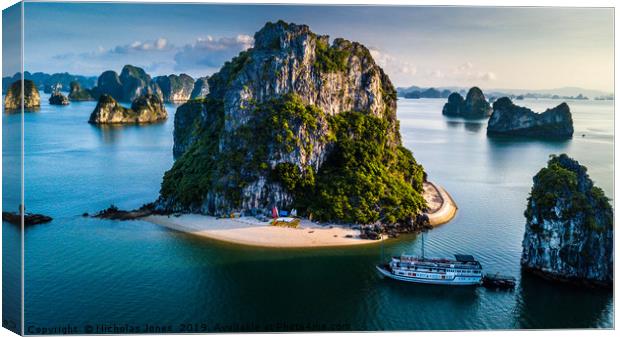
(462, 270)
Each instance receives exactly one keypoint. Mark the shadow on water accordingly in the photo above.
(502, 150)
(552, 305)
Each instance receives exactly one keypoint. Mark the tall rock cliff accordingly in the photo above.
(126, 87)
(511, 120)
(569, 226)
(201, 88)
(175, 88)
(13, 98)
(474, 105)
(295, 122)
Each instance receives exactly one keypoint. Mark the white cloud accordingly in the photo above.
(392, 65)
(211, 52)
(160, 44)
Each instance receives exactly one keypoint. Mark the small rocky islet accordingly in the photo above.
(509, 119)
(569, 226)
(13, 97)
(473, 106)
(57, 98)
(144, 109)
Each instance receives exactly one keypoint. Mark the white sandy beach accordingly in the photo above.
(252, 232)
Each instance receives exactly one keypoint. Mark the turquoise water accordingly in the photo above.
(127, 275)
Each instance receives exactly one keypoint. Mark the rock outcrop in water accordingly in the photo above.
(79, 94)
(175, 88)
(13, 98)
(295, 122)
(569, 230)
(57, 98)
(474, 106)
(201, 88)
(144, 109)
(132, 83)
(511, 120)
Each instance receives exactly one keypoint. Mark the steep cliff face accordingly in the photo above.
(474, 105)
(201, 88)
(13, 98)
(512, 120)
(144, 109)
(569, 228)
(132, 83)
(175, 88)
(295, 121)
(57, 98)
(187, 121)
(79, 94)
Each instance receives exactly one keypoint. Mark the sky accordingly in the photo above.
(512, 48)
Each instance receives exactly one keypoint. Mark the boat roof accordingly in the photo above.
(464, 258)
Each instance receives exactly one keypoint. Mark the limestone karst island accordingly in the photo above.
(298, 122)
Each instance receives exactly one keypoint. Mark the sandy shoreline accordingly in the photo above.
(442, 206)
(252, 232)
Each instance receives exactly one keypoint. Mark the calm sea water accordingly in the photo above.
(89, 272)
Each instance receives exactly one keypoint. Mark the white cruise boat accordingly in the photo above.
(462, 270)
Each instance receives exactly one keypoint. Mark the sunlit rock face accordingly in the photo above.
(13, 97)
(144, 109)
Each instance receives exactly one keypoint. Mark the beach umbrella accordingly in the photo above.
(274, 212)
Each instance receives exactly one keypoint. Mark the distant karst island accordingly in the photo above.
(509, 119)
(474, 106)
(147, 108)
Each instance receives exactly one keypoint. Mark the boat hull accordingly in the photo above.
(454, 282)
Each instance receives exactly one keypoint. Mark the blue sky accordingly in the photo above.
(533, 48)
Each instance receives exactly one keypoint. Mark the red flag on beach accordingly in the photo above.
(274, 212)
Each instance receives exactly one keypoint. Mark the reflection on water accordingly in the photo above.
(469, 125)
(559, 306)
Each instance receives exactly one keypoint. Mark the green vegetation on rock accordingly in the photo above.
(564, 185)
(330, 59)
(365, 179)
